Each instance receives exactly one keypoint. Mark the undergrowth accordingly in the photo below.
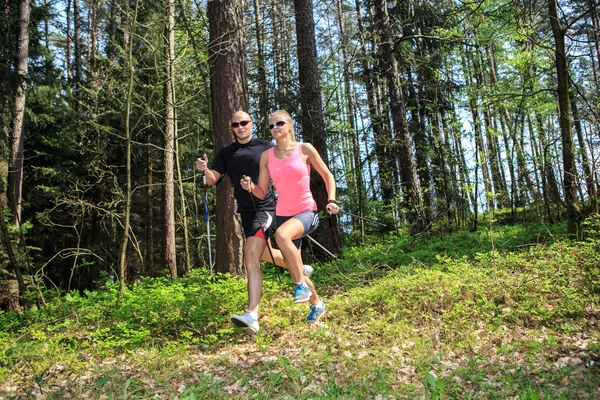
(506, 313)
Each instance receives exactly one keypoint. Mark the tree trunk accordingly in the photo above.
(263, 92)
(127, 120)
(15, 166)
(169, 142)
(229, 93)
(281, 56)
(588, 175)
(473, 79)
(419, 134)
(68, 67)
(15, 176)
(148, 268)
(312, 118)
(183, 203)
(493, 145)
(78, 68)
(379, 121)
(402, 139)
(564, 106)
(359, 186)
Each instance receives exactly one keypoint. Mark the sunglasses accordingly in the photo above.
(242, 123)
(278, 123)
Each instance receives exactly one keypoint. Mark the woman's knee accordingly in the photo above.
(281, 237)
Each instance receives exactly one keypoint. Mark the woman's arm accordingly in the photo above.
(314, 159)
(262, 187)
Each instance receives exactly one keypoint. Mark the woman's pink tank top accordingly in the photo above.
(291, 177)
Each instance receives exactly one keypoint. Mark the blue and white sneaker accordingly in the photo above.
(302, 293)
(316, 312)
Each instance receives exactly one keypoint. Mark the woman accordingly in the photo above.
(288, 165)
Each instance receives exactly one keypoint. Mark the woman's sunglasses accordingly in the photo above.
(278, 123)
(242, 123)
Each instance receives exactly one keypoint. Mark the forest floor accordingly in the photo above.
(520, 322)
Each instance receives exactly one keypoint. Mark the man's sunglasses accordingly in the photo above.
(278, 123)
(242, 123)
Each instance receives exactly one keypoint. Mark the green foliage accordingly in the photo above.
(405, 253)
(591, 228)
(152, 313)
(513, 314)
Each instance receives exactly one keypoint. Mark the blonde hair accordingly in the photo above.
(286, 116)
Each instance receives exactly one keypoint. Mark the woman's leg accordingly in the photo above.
(284, 235)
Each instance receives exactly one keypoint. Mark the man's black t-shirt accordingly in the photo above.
(238, 160)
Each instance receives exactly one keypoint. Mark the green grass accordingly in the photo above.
(508, 313)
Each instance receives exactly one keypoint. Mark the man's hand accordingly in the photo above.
(202, 163)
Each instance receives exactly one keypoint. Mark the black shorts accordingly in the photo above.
(309, 220)
(259, 224)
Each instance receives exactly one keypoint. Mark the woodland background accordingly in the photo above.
(430, 115)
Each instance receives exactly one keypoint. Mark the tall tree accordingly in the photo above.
(588, 175)
(564, 106)
(359, 187)
(403, 142)
(127, 123)
(169, 141)
(78, 60)
(15, 182)
(312, 115)
(229, 93)
(263, 93)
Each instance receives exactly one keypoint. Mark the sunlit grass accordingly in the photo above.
(516, 318)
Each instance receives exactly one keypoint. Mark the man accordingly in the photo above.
(242, 158)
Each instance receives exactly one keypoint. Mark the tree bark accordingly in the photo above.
(15, 166)
(15, 175)
(312, 118)
(78, 68)
(473, 78)
(169, 142)
(411, 195)
(148, 268)
(359, 187)
(564, 106)
(379, 121)
(263, 92)
(588, 175)
(418, 130)
(229, 93)
(127, 120)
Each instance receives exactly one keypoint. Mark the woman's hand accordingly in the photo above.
(332, 207)
(247, 183)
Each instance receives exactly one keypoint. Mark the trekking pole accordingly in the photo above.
(321, 246)
(363, 218)
(210, 263)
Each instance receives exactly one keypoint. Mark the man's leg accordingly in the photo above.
(255, 246)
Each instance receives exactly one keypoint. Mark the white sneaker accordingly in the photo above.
(246, 321)
(308, 270)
